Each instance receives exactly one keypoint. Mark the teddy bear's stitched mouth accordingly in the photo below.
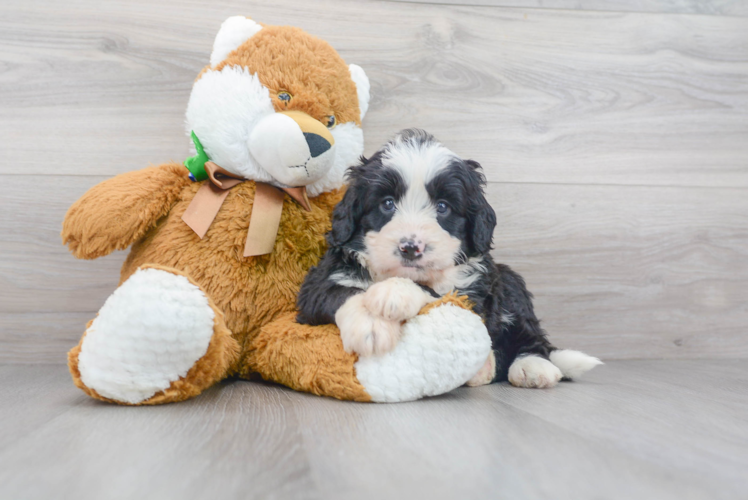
(303, 165)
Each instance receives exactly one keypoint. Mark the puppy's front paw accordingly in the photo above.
(364, 333)
(534, 371)
(395, 299)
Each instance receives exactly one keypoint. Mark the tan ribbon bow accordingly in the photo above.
(266, 211)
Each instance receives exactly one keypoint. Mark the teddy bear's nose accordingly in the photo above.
(317, 144)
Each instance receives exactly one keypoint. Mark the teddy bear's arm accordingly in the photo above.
(117, 212)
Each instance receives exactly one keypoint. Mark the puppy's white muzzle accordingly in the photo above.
(293, 147)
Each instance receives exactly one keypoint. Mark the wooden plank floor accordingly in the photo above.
(630, 430)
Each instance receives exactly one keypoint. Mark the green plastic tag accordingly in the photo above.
(196, 164)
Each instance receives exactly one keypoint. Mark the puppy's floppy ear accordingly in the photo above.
(482, 216)
(348, 212)
(484, 223)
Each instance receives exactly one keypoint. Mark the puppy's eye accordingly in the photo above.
(442, 208)
(330, 121)
(388, 205)
(284, 96)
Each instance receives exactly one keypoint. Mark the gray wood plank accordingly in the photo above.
(539, 96)
(464, 446)
(38, 274)
(647, 408)
(629, 272)
(44, 337)
(32, 396)
(697, 7)
(243, 444)
(618, 271)
(649, 429)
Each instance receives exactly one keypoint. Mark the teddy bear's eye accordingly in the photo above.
(284, 96)
(331, 122)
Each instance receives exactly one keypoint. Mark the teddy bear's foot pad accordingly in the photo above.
(148, 334)
(439, 351)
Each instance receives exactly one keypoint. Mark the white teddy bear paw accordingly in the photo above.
(534, 372)
(437, 352)
(396, 299)
(364, 333)
(148, 334)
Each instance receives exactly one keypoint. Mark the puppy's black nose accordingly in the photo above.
(410, 250)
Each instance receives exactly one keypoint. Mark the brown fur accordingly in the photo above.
(248, 292)
(286, 59)
(451, 298)
(251, 291)
(305, 358)
(118, 212)
(312, 359)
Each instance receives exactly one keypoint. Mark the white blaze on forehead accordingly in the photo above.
(418, 162)
(418, 159)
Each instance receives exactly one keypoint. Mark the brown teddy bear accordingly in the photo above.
(220, 248)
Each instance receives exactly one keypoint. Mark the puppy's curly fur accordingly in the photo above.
(415, 224)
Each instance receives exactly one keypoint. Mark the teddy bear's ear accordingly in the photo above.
(362, 87)
(234, 31)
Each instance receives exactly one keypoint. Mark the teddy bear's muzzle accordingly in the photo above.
(293, 147)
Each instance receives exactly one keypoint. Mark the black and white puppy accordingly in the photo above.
(414, 224)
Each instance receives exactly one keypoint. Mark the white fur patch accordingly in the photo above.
(573, 364)
(459, 277)
(534, 372)
(362, 332)
(276, 142)
(234, 31)
(223, 110)
(507, 318)
(437, 352)
(362, 87)
(396, 299)
(418, 163)
(349, 281)
(148, 334)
